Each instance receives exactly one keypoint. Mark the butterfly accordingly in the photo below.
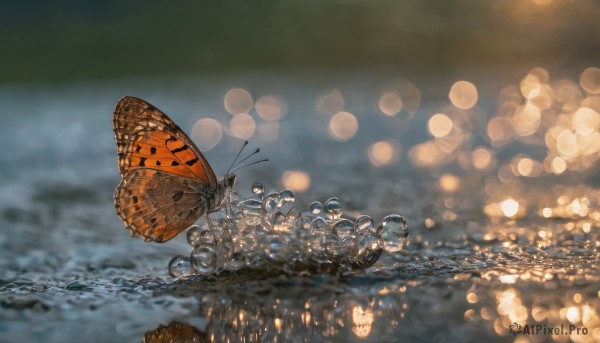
(166, 183)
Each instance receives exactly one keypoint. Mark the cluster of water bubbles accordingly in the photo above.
(267, 230)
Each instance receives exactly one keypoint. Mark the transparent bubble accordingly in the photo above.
(218, 221)
(280, 224)
(271, 202)
(276, 247)
(393, 232)
(333, 208)
(180, 266)
(367, 251)
(329, 245)
(316, 207)
(364, 224)
(302, 222)
(258, 188)
(319, 226)
(287, 195)
(236, 258)
(224, 247)
(343, 228)
(346, 246)
(204, 258)
(235, 209)
(256, 233)
(200, 234)
(292, 215)
(252, 211)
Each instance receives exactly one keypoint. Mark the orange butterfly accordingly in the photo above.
(167, 185)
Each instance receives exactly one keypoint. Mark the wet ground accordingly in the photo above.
(501, 199)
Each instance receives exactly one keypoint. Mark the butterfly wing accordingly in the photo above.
(158, 205)
(165, 178)
(147, 138)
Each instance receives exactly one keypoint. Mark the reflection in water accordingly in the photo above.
(175, 332)
(288, 309)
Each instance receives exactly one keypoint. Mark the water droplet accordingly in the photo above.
(276, 247)
(292, 215)
(364, 224)
(218, 221)
(271, 202)
(204, 258)
(224, 248)
(343, 228)
(280, 224)
(287, 195)
(367, 251)
(316, 207)
(258, 188)
(329, 245)
(346, 246)
(252, 211)
(180, 266)
(200, 234)
(236, 258)
(333, 208)
(302, 222)
(393, 232)
(76, 285)
(319, 226)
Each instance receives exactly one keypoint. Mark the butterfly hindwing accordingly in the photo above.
(147, 138)
(158, 205)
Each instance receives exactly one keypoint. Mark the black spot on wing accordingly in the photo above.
(192, 162)
(142, 162)
(183, 148)
(178, 195)
(174, 163)
(153, 150)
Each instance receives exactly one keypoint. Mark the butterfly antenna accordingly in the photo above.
(248, 165)
(238, 155)
(247, 157)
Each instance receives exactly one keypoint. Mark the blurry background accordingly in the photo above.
(73, 40)
(479, 121)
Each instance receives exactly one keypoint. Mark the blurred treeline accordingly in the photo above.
(68, 39)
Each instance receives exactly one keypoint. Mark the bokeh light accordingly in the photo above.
(238, 100)
(449, 183)
(242, 126)
(331, 102)
(463, 94)
(207, 133)
(382, 153)
(526, 120)
(509, 207)
(390, 103)
(343, 126)
(590, 80)
(439, 125)
(270, 107)
(482, 158)
(296, 180)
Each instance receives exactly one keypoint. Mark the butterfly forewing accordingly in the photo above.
(165, 178)
(147, 138)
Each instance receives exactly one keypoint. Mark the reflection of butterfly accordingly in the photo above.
(166, 182)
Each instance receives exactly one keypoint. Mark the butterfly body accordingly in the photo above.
(167, 184)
